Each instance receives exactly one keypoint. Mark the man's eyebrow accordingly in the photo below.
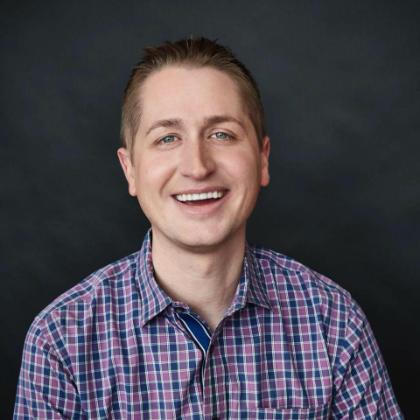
(166, 123)
(177, 123)
(217, 119)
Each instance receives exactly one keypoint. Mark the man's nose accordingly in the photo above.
(196, 160)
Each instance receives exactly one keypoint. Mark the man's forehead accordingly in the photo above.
(169, 73)
(203, 94)
(169, 84)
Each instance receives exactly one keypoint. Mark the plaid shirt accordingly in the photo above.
(292, 345)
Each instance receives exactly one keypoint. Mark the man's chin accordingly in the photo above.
(197, 241)
(200, 243)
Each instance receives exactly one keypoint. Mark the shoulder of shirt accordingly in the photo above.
(84, 292)
(321, 288)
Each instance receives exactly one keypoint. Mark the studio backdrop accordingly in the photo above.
(340, 85)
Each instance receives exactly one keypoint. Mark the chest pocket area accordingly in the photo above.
(317, 413)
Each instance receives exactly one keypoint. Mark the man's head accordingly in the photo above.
(195, 162)
(188, 53)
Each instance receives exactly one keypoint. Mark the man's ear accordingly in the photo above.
(128, 168)
(265, 153)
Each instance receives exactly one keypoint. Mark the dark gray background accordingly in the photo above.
(340, 83)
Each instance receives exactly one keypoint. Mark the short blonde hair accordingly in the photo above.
(195, 53)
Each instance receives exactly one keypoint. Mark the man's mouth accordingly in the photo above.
(200, 198)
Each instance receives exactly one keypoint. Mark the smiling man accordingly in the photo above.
(196, 167)
(198, 324)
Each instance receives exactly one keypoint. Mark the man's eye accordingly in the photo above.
(221, 135)
(167, 139)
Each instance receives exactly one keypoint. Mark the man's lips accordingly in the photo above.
(200, 196)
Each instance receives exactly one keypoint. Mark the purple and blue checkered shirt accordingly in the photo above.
(292, 345)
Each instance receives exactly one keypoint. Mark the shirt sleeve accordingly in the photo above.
(362, 386)
(45, 388)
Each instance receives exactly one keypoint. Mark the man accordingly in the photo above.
(198, 324)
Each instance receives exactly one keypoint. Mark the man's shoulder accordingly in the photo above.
(99, 285)
(302, 295)
(290, 276)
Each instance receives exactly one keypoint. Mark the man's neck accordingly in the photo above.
(205, 281)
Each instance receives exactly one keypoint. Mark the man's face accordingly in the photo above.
(196, 166)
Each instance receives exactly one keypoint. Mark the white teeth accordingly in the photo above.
(201, 196)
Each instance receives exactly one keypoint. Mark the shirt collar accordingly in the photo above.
(154, 300)
(252, 285)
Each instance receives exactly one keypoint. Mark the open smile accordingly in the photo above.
(201, 198)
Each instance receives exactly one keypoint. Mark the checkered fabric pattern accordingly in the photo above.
(292, 345)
